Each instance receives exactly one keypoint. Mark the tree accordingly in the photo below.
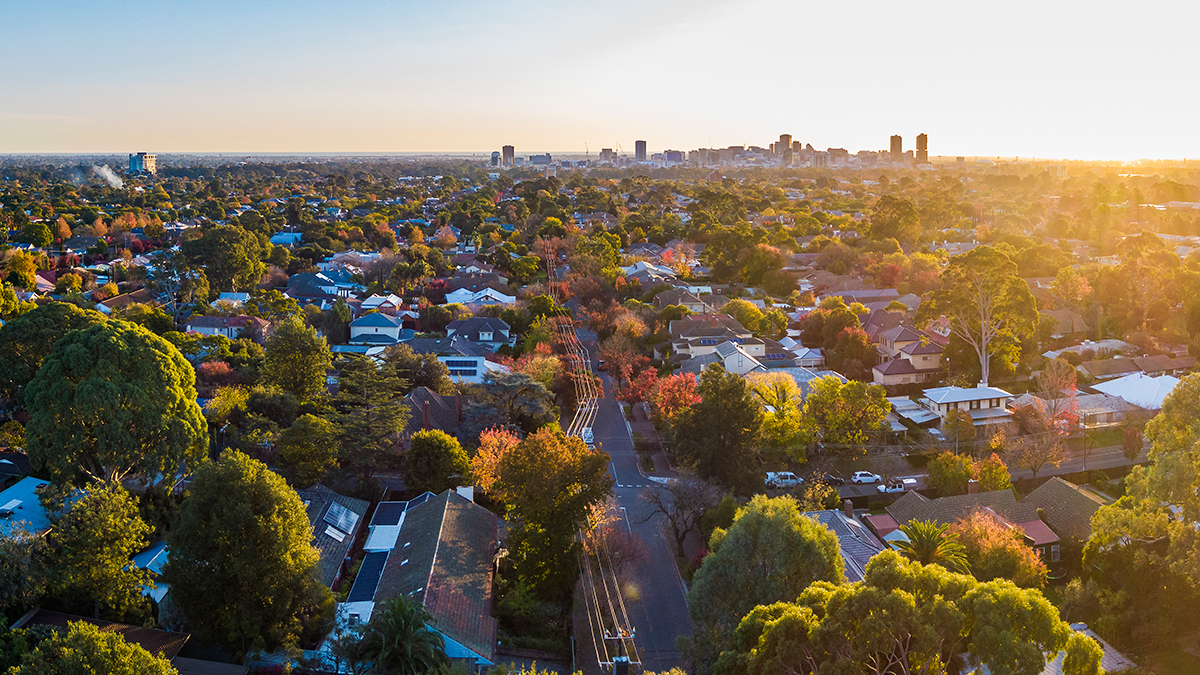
(308, 449)
(27, 339)
(22, 270)
(516, 399)
(1132, 443)
(1035, 451)
(960, 427)
(21, 575)
(985, 302)
(90, 548)
(842, 416)
(87, 649)
(296, 360)
(909, 618)
(895, 218)
(852, 354)
(371, 414)
(682, 501)
(230, 257)
(435, 462)
(419, 370)
(749, 316)
(770, 553)
(549, 482)
(781, 398)
(485, 465)
(147, 316)
(401, 641)
(718, 437)
(949, 473)
(38, 234)
(997, 551)
(242, 565)
(930, 544)
(114, 400)
(673, 394)
(992, 474)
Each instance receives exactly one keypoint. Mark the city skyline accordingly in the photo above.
(467, 76)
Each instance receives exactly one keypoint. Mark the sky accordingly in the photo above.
(1055, 80)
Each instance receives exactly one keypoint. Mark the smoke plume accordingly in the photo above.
(114, 181)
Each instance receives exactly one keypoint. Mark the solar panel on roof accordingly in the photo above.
(335, 533)
(341, 517)
(368, 577)
(388, 513)
(419, 500)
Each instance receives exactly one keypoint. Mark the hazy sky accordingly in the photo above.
(1085, 80)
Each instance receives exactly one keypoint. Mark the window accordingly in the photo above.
(485, 336)
(1055, 554)
(355, 619)
(974, 405)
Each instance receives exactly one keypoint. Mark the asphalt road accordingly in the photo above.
(655, 595)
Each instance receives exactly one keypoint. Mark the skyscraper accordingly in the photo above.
(639, 151)
(509, 154)
(143, 163)
(897, 149)
(922, 149)
(495, 159)
(785, 142)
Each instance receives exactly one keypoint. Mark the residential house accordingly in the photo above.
(389, 304)
(376, 328)
(486, 331)
(468, 362)
(1101, 410)
(162, 643)
(430, 410)
(1067, 508)
(1140, 389)
(1165, 365)
(700, 334)
(488, 295)
(234, 299)
(730, 355)
(986, 405)
(855, 542)
(336, 521)
(1065, 324)
(1108, 369)
(438, 551)
(1000, 504)
(475, 282)
(140, 296)
(316, 288)
(20, 508)
(909, 355)
(13, 467)
(879, 321)
(681, 296)
(232, 327)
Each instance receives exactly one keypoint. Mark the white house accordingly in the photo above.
(484, 296)
(985, 405)
(732, 356)
(376, 328)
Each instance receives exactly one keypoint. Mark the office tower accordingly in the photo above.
(143, 163)
(897, 149)
(607, 155)
(797, 146)
(495, 159)
(787, 157)
(639, 151)
(922, 149)
(673, 156)
(540, 160)
(785, 142)
(509, 155)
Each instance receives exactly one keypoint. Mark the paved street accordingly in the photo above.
(655, 594)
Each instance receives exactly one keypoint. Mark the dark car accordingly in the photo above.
(826, 478)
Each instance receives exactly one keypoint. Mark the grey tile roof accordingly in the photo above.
(1067, 508)
(332, 550)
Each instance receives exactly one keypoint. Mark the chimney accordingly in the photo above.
(848, 508)
(972, 487)
(458, 405)
(426, 417)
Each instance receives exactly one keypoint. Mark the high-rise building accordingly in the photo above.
(797, 146)
(922, 149)
(495, 159)
(509, 155)
(785, 143)
(143, 163)
(787, 156)
(607, 155)
(897, 149)
(639, 151)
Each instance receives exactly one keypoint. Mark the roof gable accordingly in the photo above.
(1066, 507)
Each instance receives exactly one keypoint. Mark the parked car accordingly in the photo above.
(782, 479)
(588, 439)
(898, 485)
(826, 478)
(864, 477)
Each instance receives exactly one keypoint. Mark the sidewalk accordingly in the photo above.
(641, 424)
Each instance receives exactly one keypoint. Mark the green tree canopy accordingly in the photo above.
(986, 302)
(419, 370)
(90, 548)
(770, 554)
(29, 338)
(230, 257)
(435, 462)
(930, 544)
(308, 449)
(296, 360)
(370, 413)
(842, 416)
(895, 218)
(87, 650)
(719, 436)
(114, 400)
(549, 482)
(907, 617)
(400, 641)
(242, 566)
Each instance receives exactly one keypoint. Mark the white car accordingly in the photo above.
(864, 477)
(782, 479)
(897, 486)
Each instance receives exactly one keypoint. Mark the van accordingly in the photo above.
(782, 479)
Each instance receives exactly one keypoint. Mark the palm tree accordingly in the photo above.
(929, 544)
(401, 641)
